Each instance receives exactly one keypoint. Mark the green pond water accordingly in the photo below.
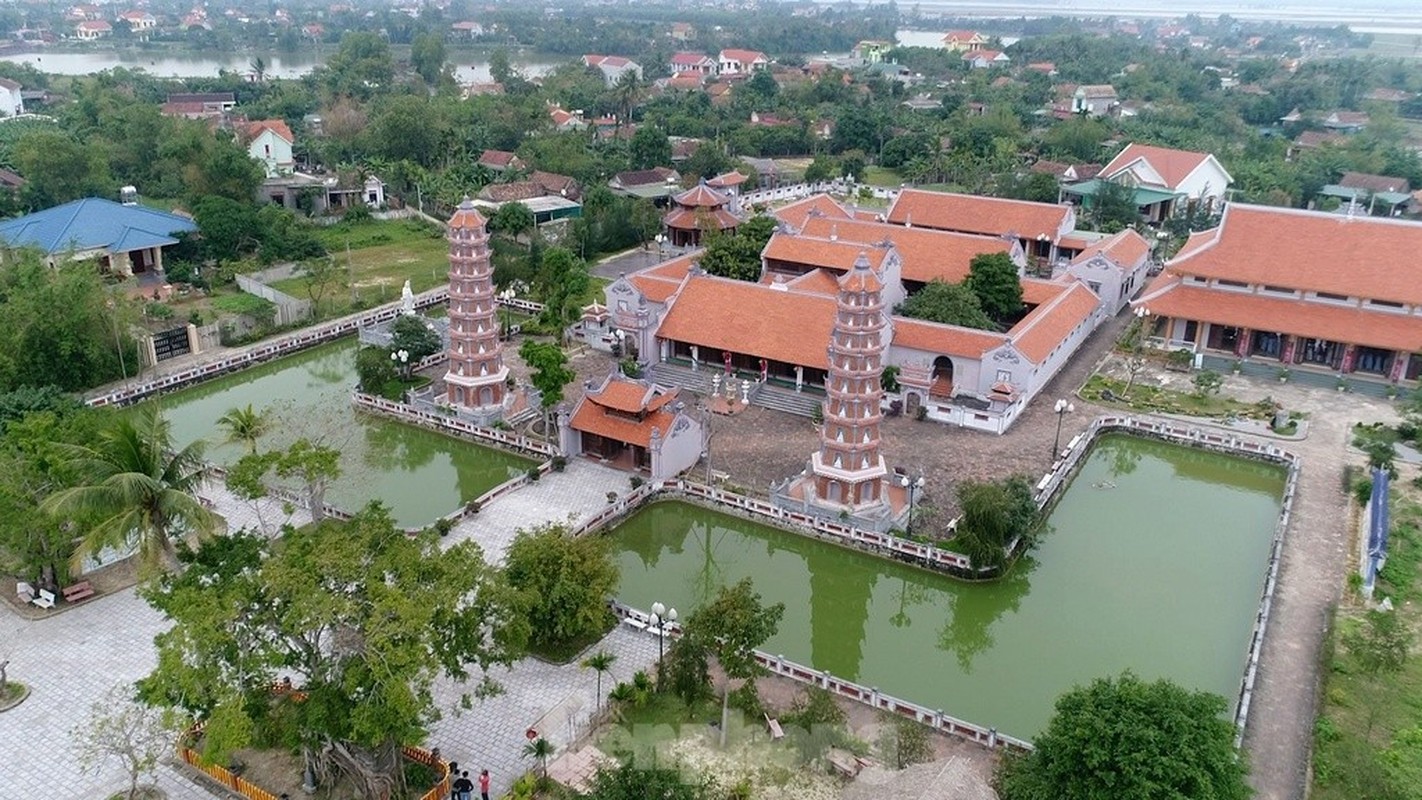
(419, 474)
(1153, 560)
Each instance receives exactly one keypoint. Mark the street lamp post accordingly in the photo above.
(913, 487)
(402, 357)
(506, 295)
(1061, 409)
(661, 617)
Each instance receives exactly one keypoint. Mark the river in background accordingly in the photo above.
(471, 66)
(419, 474)
(1153, 561)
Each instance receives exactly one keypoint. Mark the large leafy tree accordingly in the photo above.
(427, 56)
(414, 335)
(994, 514)
(58, 168)
(649, 148)
(361, 67)
(567, 580)
(134, 482)
(948, 303)
(731, 627)
(993, 278)
(550, 370)
(1124, 737)
(363, 618)
(737, 255)
(85, 345)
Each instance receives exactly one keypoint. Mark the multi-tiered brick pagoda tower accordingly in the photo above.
(848, 470)
(476, 365)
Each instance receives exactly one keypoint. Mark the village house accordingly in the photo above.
(564, 121)
(1308, 295)
(1375, 194)
(694, 63)
(683, 31)
(636, 426)
(688, 326)
(126, 238)
(467, 29)
(612, 67)
(964, 41)
(12, 98)
(1163, 181)
(1114, 268)
(741, 62)
(872, 51)
(655, 184)
(986, 59)
(500, 161)
(139, 21)
(269, 141)
(92, 30)
(1094, 100)
(198, 105)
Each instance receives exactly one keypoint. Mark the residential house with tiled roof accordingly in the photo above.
(1312, 140)
(500, 160)
(1345, 121)
(1386, 195)
(657, 183)
(635, 425)
(1318, 294)
(1114, 268)
(1037, 227)
(775, 331)
(92, 29)
(733, 61)
(12, 98)
(683, 31)
(964, 41)
(139, 21)
(612, 67)
(1164, 181)
(126, 239)
(467, 29)
(986, 59)
(270, 141)
(694, 63)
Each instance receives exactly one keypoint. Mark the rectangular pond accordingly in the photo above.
(1153, 560)
(417, 473)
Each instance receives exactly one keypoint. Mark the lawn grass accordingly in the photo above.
(380, 258)
(1362, 714)
(881, 176)
(1153, 399)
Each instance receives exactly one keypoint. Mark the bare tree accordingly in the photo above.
(121, 729)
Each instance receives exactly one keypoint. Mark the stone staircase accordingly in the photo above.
(698, 381)
(790, 401)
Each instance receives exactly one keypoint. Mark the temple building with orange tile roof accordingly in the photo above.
(634, 425)
(685, 326)
(1312, 296)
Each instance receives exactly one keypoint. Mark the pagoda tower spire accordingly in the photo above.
(848, 469)
(476, 364)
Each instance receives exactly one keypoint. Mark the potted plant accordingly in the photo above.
(1179, 360)
(1341, 384)
(1391, 391)
(1283, 374)
(1237, 367)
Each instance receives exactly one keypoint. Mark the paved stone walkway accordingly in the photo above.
(572, 495)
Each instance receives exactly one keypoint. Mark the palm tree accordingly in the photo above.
(259, 69)
(135, 483)
(599, 662)
(624, 96)
(244, 425)
(540, 749)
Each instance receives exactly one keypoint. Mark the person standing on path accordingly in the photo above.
(484, 785)
(463, 788)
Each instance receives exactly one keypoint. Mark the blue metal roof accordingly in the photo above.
(93, 224)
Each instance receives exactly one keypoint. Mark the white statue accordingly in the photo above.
(407, 300)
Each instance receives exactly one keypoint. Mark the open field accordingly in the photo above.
(376, 259)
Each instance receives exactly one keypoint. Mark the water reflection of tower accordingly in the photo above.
(839, 609)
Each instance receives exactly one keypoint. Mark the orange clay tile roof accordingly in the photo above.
(1310, 250)
(1166, 297)
(862, 278)
(797, 212)
(700, 196)
(816, 281)
(691, 219)
(984, 215)
(1074, 242)
(1048, 324)
(1036, 291)
(631, 397)
(1173, 166)
(1126, 248)
(931, 337)
(752, 318)
(594, 419)
(660, 281)
(817, 252)
(926, 254)
(276, 126)
(466, 217)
